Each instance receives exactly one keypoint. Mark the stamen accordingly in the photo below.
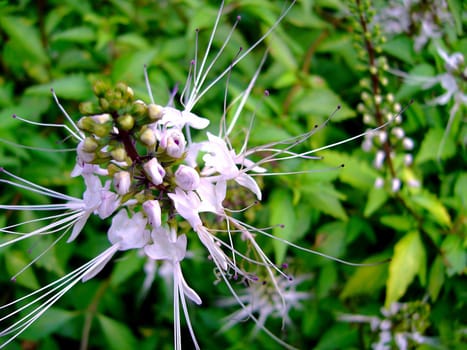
(80, 133)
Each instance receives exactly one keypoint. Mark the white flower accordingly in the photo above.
(267, 299)
(220, 159)
(128, 232)
(187, 204)
(168, 247)
(172, 117)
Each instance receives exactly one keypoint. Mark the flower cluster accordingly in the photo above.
(160, 190)
(403, 326)
(424, 20)
(391, 147)
(452, 80)
(144, 173)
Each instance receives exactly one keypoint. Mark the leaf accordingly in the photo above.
(401, 48)
(431, 203)
(125, 268)
(53, 320)
(409, 260)
(281, 206)
(117, 335)
(17, 261)
(26, 36)
(398, 222)
(376, 198)
(367, 280)
(322, 102)
(74, 87)
(455, 254)
(431, 144)
(76, 35)
(326, 199)
(436, 278)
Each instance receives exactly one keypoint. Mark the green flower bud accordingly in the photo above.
(126, 122)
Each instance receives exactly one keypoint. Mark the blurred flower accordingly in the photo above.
(423, 20)
(402, 326)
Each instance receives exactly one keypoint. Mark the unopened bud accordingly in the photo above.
(154, 171)
(90, 144)
(398, 132)
(408, 143)
(379, 159)
(379, 182)
(122, 182)
(173, 141)
(155, 111)
(187, 178)
(148, 137)
(126, 122)
(119, 154)
(396, 185)
(152, 209)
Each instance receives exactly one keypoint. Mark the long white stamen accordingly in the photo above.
(35, 188)
(80, 133)
(148, 84)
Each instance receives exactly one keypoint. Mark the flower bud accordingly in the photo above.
(187, 178)
(122, 182)
(119, 154)
(148, 137)
(379, 182)
(408, 159)
(126, 122)
(173, 141)
(396, 185)
(154, 171)
(408, 143)
(155, 111)
(152, 209)
(398, 132)
(379, 159)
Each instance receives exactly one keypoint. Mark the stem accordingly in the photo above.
(90, 313)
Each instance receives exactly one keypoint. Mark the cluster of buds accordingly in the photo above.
(390, 144)
(402, 326)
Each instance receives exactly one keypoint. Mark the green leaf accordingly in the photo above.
(409, 260)
(117, 335)
(367, 280)
(25, 35)
(74, 87)
(325, 198)
(130, 67)
(125, 267)
(76, 35)
(53, 320)
(281, 206)
(322, 102)
(16, 262)
(376, 198)
(398, 222)
(455, 254)
(401, 48)
(431, 203)
(436, 278)
(431, 144)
